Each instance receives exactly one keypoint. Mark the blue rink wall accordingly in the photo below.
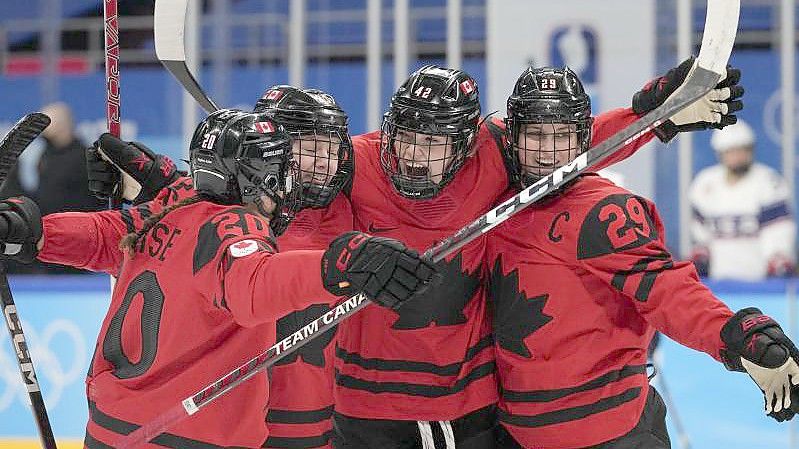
(61, 317)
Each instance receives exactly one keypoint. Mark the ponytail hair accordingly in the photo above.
(130, 241)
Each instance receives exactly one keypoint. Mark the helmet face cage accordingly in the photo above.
(420, 164)
(322, 145)
(548, 124)
(540, 147)
(429, 130)
(324, 159)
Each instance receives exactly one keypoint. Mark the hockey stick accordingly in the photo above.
(720, 28)
(170, 25)
(112, 95)
(112, 89)
(14, 143)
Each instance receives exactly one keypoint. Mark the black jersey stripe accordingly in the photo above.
(93, 443)
(299, 416)
(274, 442)
(121, 427)
(572, 413)
(410, 389)
(416, 367)
(551, 395)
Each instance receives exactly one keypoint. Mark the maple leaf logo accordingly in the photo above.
(444, 303)
(141, 160)
(167, 166)
(243, 244)
(312, 352)
(516, 316)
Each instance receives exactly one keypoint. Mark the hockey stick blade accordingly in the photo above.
(170, 27)
(721, 20)
(21, 135)
(12, 145)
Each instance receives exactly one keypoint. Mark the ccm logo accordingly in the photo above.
(346, 253)
(751, 322)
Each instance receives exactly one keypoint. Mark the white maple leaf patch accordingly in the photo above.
(243, 248)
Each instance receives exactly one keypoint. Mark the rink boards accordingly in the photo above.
(61, 318)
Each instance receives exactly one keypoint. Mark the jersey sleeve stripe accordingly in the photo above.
(773, 212)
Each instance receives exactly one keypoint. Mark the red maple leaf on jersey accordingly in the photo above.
(141, 160)
(167, 166)
(244, 244)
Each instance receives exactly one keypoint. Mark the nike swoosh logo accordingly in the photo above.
(375, 230)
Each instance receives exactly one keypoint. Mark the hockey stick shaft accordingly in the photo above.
(112, 94)
(112, 84)
(11, 147)
(701, 82)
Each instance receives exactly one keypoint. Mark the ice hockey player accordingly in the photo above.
(322, 150)
(740, 207)
(301, 386)
(200, 283)
(580, 282)
(423, 377)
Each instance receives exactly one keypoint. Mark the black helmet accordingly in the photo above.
(318, 127)
(442, 106)
(554, 99)
(237, 156)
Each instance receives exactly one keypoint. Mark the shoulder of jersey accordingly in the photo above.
(614, 220)
(223, 224)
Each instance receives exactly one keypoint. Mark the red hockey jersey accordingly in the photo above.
(198, 297)
(432, 360)
(579, 283)
(301, 385)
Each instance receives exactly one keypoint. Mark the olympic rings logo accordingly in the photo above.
(56, 370)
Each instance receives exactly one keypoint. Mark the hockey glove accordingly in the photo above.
(755, 344)
(714, 110)
(143, 172)
(20, 229)
(384, 269)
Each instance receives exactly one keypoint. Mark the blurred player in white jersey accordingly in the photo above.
(742, 225)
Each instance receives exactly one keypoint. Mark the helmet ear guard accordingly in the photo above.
(211, 182)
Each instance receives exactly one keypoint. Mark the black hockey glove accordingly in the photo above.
(20, 228)
(714, 110)
(143, 172)
(756, 345)
(384, 269)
